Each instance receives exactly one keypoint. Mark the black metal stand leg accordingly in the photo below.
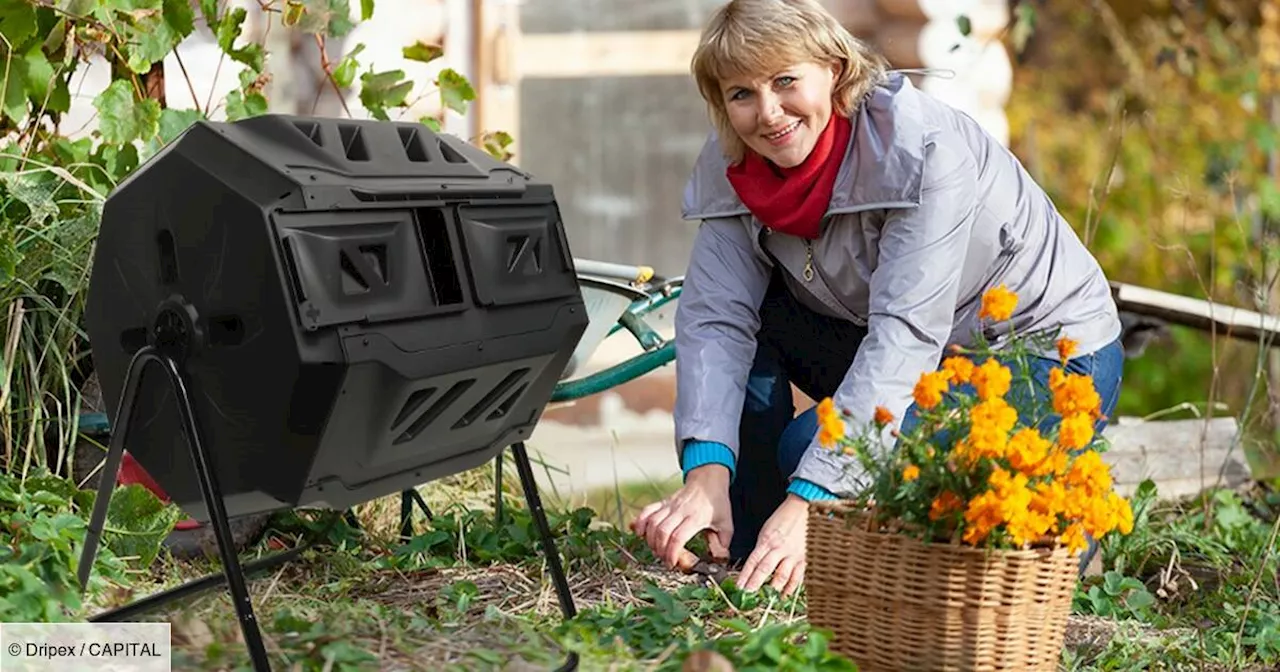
(208, 486)
(407, 499)
(530, 488)
(497, 488)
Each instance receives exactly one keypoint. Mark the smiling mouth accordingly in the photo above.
(784, 132)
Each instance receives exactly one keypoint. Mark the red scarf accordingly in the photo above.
(793, 200)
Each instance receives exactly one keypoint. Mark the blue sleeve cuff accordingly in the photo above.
(809, 491)
(698, 453)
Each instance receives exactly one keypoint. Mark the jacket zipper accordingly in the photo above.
(808, 260)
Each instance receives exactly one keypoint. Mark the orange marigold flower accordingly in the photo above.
(830, 426)
(1075, 431)
(929, 389)
(992, 379)
(883, 416)
(998, 304)
(910, 473)
(994, 413)
(1066, 348)
(945, 504)
(1090, 473)
(1028, 451)
(1123, 512)
(1074, 538)
(1074, 393)
(959, 369)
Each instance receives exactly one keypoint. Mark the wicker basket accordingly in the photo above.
(896, 603)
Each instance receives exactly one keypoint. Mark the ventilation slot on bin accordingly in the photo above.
(310, 129)
(353, 142)
(413, 147)
(502, 410)
(429, 416)
(451, 155)
(491, 398)
(437, 248)
(412, 404)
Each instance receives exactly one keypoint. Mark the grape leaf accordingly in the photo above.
(455, 90)
(345, 72)
(381, 90)
(124, 118)
(17, 22)
(421, 51)
(156, 35)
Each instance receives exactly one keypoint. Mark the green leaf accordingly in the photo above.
(455, 90)
(381, 90)
(209, 8)
(139, 522)
(242, 106)
(34, 190)
(124, 118)
(366, 10)
(130, 6)
(17, 21)
(964, 24)
(15, 91)
(345, 73)
(421, 51)
(327, 17)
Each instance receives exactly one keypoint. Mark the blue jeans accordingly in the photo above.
(814, 351)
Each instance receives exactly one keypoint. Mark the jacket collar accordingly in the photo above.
(882, 166)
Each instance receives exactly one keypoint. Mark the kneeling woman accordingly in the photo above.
(850, 225)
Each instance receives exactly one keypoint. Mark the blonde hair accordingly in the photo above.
(754, 37)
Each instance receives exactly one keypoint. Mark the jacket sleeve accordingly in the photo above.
(716, 321)
(913, 294)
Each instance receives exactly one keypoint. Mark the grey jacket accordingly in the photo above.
(928, 212)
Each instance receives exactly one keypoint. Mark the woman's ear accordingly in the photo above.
(837, 68)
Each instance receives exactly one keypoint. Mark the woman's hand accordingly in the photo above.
(702, 504)
(779, 549)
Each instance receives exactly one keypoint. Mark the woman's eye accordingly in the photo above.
(739, 95)
(785, 80)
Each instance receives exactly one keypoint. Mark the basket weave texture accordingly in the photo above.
(897, 603)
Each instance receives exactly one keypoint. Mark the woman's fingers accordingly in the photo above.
(691, 526)
(754, 574)
(796, 580)
(642, 521)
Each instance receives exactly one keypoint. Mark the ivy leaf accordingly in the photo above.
(124, 118)
(366, 10)
(431, 123)
(17, 22)
(381, 90)
(345, 73)
(421, 51)
(455, 90)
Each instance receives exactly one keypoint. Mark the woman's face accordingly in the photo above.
(781, 115)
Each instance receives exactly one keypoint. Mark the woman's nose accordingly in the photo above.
(770, 107)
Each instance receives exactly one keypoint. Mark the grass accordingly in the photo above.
(1195, 587)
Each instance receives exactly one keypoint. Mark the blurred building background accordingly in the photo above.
(596, 93)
